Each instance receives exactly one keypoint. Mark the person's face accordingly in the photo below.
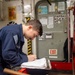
(31, 33)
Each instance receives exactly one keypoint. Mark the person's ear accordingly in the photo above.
(30, 26)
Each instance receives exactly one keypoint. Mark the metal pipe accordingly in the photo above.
(22, 2)
(1, 10)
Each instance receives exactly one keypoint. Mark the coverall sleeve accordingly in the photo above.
(9, 52)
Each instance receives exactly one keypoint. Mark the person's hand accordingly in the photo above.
(31, 57)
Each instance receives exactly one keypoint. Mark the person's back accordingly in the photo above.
(1, 68)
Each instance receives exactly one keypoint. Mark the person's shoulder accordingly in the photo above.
(11, 28)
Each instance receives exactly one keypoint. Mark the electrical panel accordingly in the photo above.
(53, 17)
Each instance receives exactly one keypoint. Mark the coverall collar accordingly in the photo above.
(21, 33)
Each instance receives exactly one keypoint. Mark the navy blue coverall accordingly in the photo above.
(11, 42)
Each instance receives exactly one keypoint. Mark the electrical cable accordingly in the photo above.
(49, 2)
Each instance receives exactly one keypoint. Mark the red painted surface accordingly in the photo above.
(61, 66)
(23, 70)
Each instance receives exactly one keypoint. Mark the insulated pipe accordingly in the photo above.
(33, 13)
(22, 2)
(1, 10)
